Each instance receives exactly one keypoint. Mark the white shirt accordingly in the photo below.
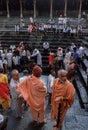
(39, 57)
(23, 53)
(16, 60)
(9, 56)
(5, 61)
(60, 20)
(1, 118)
(12, 47)
(3, 55)
(23, 78)
(60, 54)
(9, 59)
(51, 79)
(13, 85)
(67, 57)
(80, 52)
(31, 20)
(1, 64)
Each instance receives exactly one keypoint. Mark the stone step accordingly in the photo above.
(83, 75)
(76, 118)
(82, 92)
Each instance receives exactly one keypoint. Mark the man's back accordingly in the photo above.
(33, 90)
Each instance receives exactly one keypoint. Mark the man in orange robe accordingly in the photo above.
(62, 98)
(33, 90)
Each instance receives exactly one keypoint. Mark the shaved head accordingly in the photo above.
(14, 71)
(62, 74)
(15, 74)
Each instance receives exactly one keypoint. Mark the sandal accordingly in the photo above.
(55, 128)
(55, 124)
(44, 122)
(35, 123)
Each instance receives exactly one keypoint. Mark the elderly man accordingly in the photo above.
(17, 100)
(33, 90)
(62, 98)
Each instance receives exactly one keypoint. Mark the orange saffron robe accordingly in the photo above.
(33, 91)
(65, 90)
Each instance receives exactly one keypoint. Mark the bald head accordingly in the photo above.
(15, 74)
(62, 74)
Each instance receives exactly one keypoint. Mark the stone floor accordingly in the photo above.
(76, 118)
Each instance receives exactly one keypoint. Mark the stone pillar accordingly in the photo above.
(34, 8)
(7, 5)
(65, 8)
(51, 9)
(80, 9)
(1, 7)
(21, 12)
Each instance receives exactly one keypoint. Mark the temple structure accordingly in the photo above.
(36, 8)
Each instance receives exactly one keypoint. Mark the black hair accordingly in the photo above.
(25, 72)
(51, 70)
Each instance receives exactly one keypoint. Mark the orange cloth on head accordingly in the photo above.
(37, 71)
(33, 91)
(65, 90)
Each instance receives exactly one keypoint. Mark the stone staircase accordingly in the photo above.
(82, 79)
(36, 39)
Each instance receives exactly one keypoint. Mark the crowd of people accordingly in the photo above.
(66, 30)
(30, 89)
(61, 25)
(27, 90)
(22, 56)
